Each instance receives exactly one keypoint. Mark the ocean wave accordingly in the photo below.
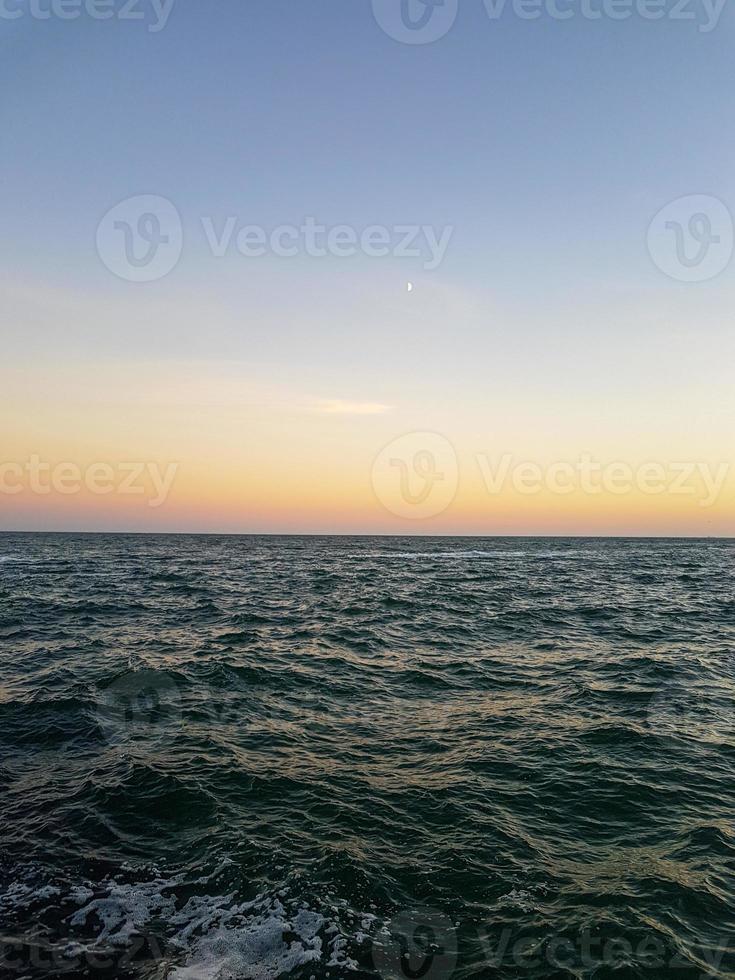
(533, 736)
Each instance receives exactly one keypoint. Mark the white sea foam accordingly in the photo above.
(125, 909)
(517, 898)
(254, 945)
(260, 940)
(205, 936)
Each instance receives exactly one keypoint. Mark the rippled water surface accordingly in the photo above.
(254, 757)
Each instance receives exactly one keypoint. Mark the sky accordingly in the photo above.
(271, 266)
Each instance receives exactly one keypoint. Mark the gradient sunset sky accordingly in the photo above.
(274, 383)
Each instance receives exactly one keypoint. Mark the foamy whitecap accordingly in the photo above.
(255, 945)
(125, 909)
(202, 936)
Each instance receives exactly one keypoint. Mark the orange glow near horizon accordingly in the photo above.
(204, 450)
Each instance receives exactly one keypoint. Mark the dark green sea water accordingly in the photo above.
(248, 757)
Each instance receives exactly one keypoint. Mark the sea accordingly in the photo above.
(264, 757)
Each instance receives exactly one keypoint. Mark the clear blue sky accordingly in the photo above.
(547, 144)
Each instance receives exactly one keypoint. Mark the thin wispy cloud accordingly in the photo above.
(337, 406)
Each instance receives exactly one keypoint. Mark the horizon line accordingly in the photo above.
(382, 534)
